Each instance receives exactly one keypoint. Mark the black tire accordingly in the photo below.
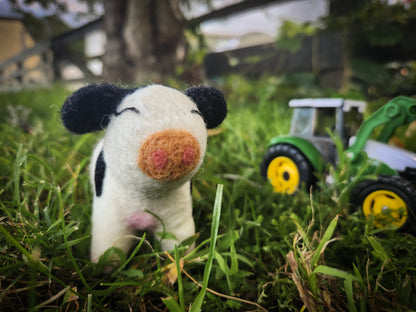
(383, 198)
(281, 179)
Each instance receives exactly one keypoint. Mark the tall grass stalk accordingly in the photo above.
(197, 304)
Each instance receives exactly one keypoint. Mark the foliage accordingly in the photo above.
(379, 42)
(44, 28)
(291, 33)
(272, 252)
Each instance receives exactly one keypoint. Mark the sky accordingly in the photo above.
(266, 19)
(70, 18)
(269, 18)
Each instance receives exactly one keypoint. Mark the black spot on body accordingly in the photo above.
(99, 174)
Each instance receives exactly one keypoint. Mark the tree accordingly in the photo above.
(144, 39)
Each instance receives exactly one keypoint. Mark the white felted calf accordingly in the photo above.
(155, 141)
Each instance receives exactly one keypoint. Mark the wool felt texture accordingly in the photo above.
(141, 221)
(169, 155)
(154, 142)
(211, 103)
(89, 109)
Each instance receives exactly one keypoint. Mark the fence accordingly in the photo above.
(42, 64)
(321, 54)
(31, 66)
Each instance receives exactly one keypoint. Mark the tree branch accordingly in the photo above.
(233, 9)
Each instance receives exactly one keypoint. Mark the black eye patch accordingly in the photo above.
(127, 109)
(194, 111)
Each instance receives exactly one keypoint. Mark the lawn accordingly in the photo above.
(255, 250)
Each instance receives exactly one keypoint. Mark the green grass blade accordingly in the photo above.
(89, 303)
(323, 269)
(135, 251)
(180, 285)
(349, 294)
(300, 230)
(197, 304)
(65, 237)
(15, 243)
(327, 236)
(172, 304)
(379, 252)
(20, 158)
(223, 267)
(348, 279)
(234, 257)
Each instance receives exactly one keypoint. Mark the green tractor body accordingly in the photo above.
(294, 161)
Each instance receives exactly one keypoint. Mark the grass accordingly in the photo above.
(255, 251)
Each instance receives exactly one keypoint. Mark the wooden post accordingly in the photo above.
(20, 72)
(56, 72)
(47, 61)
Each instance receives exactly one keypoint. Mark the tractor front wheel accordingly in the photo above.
(286, 168)
(389, 200)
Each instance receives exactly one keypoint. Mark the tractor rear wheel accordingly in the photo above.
(287, 169)
(390, 200)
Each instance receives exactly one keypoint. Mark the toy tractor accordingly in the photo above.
(293, 162)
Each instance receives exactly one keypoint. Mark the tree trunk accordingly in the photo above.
(143, 40)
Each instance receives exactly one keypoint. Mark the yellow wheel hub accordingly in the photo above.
(386, 207)
(284, 175)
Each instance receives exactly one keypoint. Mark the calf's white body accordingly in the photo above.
(126, 189)
(141, 169)
(120, 202)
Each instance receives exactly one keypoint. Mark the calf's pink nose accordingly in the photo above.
(169, 154)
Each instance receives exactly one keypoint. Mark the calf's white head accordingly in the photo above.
(155, 136)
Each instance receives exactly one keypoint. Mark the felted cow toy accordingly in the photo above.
(155, 141)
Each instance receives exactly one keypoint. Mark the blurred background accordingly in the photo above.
(261, 54)
(361, 43)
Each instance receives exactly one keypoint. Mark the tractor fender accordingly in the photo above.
(306, 147)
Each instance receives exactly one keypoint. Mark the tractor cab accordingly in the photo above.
(313, 117)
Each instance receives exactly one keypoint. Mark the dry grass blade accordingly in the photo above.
(54, 297)
(304, 293)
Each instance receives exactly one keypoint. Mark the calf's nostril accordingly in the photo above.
(159, 159)
(188, 157)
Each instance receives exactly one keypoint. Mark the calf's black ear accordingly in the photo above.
(211, 104)
(89, 109)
